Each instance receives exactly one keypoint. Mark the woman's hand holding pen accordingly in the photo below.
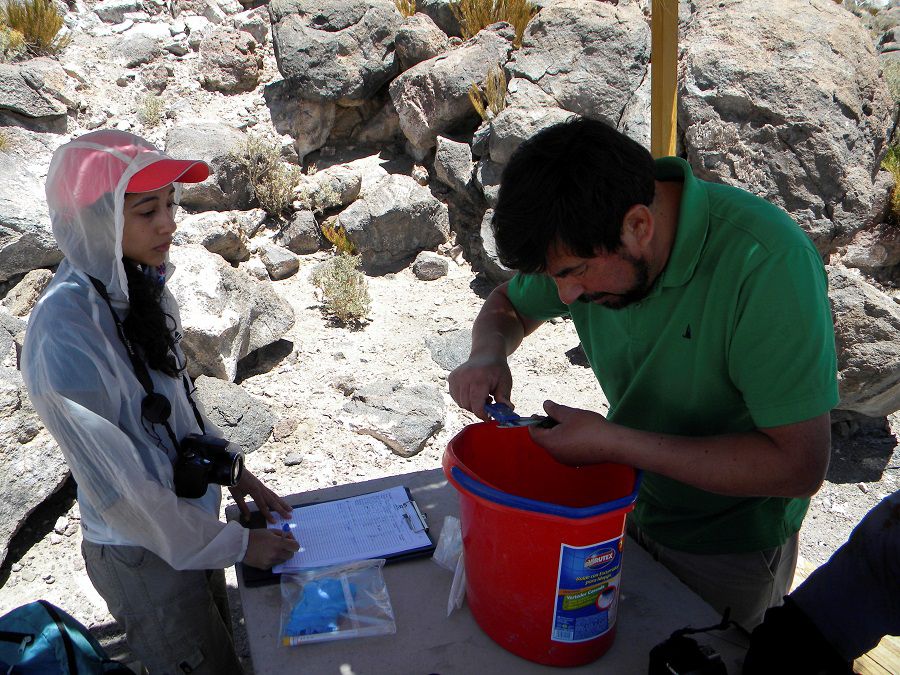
(268, 547)
(264, 498)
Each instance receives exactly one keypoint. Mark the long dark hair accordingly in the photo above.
(148, 325)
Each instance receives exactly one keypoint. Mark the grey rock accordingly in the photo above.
(156, 77)
(32, 465)
(402, 417)
(217, 231)
(26, 241)
(226, 314)
(390, 225)
(334, 187)
(481, 140)
(302, 234)
(429, 266)
(419, 39)
(227, 187)
(254, 21)
(441, 14)
(453, 164)
(512, 126)
(137, 49)
(872, 249)
(243, 419)
(21, 299)
(114, 11)
(335, 50)
(522, 93)
(12, 335)
(280, 262)
(433, 96)
(488, 261)
(589, 56)
(293, 459)
(230, 61)
(798, 115)
(450, 350)
(487, 175)
(309, 123)
(867, 337)
(21, 93)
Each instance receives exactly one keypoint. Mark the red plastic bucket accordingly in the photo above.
(542, 541)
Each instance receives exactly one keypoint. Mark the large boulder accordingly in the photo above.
(309, 123)
(230, 61)
(243, 419)
(393, 222)
(24, 101)
(514, 125)
(218, 145)
(26, 240)
(785, 99)
(589, 56)
(226, 314)
(432, 98)
(419, 39)
(867, 336)
(219, 232)
(31, 463)
(336, 50)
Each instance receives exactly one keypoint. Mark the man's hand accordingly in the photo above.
(577, 439)
(269, 547)
(266, 500)
(478, 378)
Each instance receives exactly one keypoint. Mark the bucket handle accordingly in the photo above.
(491, 494)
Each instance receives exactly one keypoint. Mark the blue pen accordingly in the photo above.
(285, 528)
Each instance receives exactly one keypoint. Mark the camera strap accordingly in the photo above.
(155, 407)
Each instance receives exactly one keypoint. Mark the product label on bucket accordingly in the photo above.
(587, 591)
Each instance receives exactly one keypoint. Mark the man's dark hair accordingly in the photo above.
(570, 184)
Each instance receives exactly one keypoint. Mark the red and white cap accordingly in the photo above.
(86, 186)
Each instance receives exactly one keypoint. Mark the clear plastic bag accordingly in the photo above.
(334, 603)
(449, 546)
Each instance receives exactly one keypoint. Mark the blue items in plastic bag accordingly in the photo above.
(336, 602)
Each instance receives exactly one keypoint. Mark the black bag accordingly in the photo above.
(41, 639)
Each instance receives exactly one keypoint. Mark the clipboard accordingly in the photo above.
(411, 515)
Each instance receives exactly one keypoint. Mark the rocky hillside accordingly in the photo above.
(362, 122)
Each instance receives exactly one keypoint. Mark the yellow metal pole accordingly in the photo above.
(663, 76)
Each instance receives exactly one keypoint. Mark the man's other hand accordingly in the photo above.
(472, 383)
(577, 439)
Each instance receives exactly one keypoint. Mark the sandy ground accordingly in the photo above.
(297, 377)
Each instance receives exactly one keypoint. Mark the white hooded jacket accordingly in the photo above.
(83, 385)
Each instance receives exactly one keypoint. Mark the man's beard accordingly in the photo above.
(638, 291)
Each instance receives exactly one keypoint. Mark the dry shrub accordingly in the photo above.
(490, 100)
(151, 110)
(406, 7)
(891, 162)
(273, 180)
(39, 24)
(4, 142)
(337, 236)
(473, 15)
(344, 288)
(12, 44)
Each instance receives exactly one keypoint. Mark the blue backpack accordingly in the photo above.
(41, 639)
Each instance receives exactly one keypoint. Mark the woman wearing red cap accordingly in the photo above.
(106, 374)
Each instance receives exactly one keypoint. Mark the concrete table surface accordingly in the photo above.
(652, 604)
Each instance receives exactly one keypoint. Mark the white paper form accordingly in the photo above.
(372, 525)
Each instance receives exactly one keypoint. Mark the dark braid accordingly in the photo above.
(147, 325)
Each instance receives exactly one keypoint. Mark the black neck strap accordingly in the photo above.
(141, 372)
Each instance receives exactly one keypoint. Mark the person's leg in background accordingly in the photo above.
(748, 583)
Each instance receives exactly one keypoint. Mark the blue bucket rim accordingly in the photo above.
(502, 498)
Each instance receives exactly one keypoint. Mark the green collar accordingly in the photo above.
(693, 222)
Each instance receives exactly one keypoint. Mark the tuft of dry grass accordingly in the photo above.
(273, 180)
(38, 22)
(489, 100)
(337, 236)
(4, 142)
(345, 290)
(891, 162)
(151, 110)
(406, 7)
(473, 15)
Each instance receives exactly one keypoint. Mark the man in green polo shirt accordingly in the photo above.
(703, 311)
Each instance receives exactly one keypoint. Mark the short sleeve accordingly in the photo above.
(535, 296)
(782, 352)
